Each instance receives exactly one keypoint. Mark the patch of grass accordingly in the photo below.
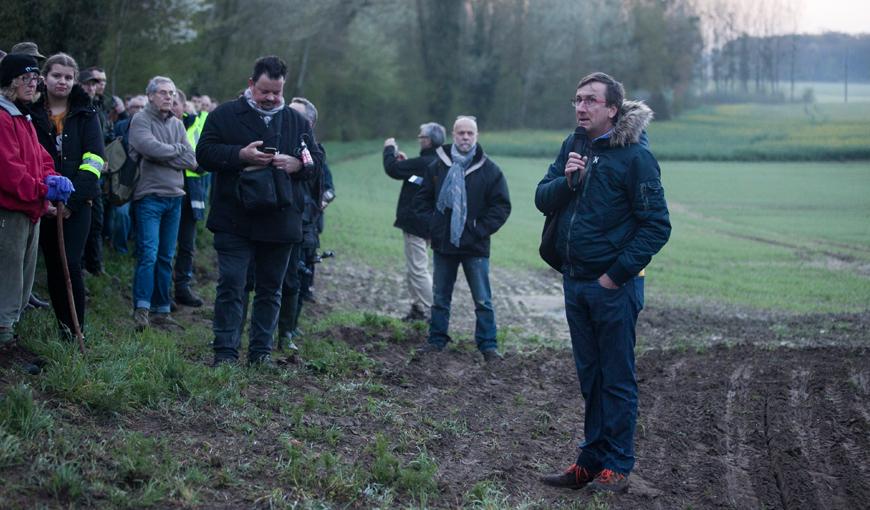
(65, 483)
(10, 449)
(418, 477)
(333, 358)
(21, 416)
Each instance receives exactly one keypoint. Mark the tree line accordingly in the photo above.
(384, 66)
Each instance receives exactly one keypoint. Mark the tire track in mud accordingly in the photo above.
(736, 458)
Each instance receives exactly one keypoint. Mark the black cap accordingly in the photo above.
(14, 65)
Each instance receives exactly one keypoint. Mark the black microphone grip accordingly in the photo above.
(581, 143)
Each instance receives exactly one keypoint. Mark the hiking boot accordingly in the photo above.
(417, 313)
(165, 321)
(575, 477)
(610, 481)
(491, 355)
(140, 317)
(261, 362)
(185, 296)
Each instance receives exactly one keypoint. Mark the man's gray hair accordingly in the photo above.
(434, 132)
(310, 109)
(470, 118)
(155, 82)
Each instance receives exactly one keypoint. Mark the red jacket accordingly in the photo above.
(24, 164)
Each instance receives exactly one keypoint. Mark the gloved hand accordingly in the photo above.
(59, 188)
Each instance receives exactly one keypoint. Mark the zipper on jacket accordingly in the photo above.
(586, 179)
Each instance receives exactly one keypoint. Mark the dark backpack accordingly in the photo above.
(123, 174)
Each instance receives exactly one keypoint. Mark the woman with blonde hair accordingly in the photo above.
(69, 129)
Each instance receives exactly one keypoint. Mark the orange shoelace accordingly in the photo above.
(609, 476)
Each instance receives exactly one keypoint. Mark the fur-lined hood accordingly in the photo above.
(634, 117)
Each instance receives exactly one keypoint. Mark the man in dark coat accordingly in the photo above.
(612, 219)
(414, 228)
(256, 130)
(465, 198)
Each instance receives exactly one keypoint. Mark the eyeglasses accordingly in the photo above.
(30, 79)
(587, 101)
(166, 93)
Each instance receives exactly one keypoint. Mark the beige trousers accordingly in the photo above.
(419, 279)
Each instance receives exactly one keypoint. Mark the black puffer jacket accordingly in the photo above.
(489, 204)
(411, 173)
(81, 134)
(232, 126)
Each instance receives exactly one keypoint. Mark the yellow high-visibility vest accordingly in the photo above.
(193, 134)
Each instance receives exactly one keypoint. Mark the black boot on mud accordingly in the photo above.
(575, 477)
(428, 348)
(185, 296)
(610, 481)
(492, 355)
(416, 313)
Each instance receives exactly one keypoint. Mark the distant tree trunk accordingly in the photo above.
(119, 27)
(300, 82)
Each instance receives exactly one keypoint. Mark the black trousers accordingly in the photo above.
(75, 235)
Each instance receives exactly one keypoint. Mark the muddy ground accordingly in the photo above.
(737, 409)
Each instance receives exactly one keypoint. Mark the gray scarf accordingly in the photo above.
(453, 193)
(265, 114)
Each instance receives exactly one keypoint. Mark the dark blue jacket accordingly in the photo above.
(617, 219)
(489, 204)
(411, 173)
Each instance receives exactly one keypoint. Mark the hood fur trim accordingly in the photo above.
(634, 117)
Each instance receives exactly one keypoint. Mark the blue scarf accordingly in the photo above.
(453, 193)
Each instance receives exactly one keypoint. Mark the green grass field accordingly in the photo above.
(783, 236)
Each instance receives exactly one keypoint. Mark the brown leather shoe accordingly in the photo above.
(610, 481)
(575, 477)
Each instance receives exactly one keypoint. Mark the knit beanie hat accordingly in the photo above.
(14, 65)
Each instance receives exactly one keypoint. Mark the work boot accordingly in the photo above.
(491, 355)
(428, 348)
(610, 481)
(185, 296)
(575, 477)
(141, 319)
(164, 321)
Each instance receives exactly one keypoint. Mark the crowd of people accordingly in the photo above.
(57, 128)
(254, 162)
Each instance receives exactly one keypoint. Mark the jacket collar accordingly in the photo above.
(10, 107)
(154, 112)
(79, 101)
(249, 117)
(478, 161)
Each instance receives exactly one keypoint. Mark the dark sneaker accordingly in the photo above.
(575, 477)
(223, 361)
(610, 481)
(491, 355)
(141, 318)
(165, 321)
(187, 297)
(262, 362)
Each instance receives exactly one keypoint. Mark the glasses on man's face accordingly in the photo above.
(587, 101)
(31, 79)
(166, 93)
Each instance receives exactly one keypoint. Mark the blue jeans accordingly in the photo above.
(235, 255)
(121, 226)
(602, 324)
(156, 230)
(476, 271)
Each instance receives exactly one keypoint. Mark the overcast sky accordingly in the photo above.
(850, 16)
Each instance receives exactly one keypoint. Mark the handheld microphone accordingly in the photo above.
(581, 143)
